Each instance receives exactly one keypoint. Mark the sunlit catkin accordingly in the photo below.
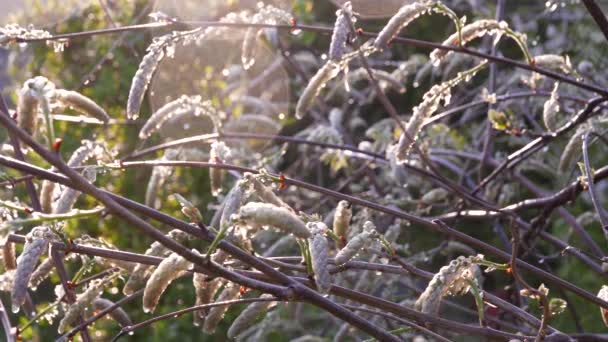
(80, 103)
(264, 214)
(356, 244)
(342, 218)
(218, 155)
(141, 272)
(204, 290)
(28, 104)
(68, 196)
(342, 28)
(551, 109)
(83, 301)
(265, 193)
(215, 315)
(451, 280)
(165, 273)
(400, 20)
(319, 250)
(325, 74)
(247, 317)
(118, 314)
(554, 62)
(36, 244)
(603, 295)
(8, 255)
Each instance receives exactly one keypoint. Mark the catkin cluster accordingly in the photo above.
(451, 280)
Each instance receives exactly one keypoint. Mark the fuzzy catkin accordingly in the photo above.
(68, 196)
(342, 28)
(319, 250)
(83, 301)
(247, 317)
(469, 32)
(342, 218)
(141, 272)
(554, 62)
(118, 314)
(36, 244)
(263, 214)
(218, 155)
(572, 152)
(603, 295)
(551, 109)
(8, 256)
(400, 20)
(29, 100)
(357, 243)
(41, 273)
(215, 315)
(204, 290)
(325, 74)
(435, 195)
(80, 103)
(233, 202)
(264, 192)
(451, 280)
(385, 79)
(165, 273)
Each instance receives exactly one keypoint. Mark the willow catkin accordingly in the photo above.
(550, 110)
(342, 28)
(218, 155)
(264, 192)
(141, 272)
(400, 20)
(357, 243)
(204, 290)
(434, 196)
(247, 317)
(469, 32)
(233, 202)
(572, 152)
(68, 196)
(82, 303)
(325, 74)
(451, 280)
(258, 214)
(215, 315)
(603, 295)
(319, 255)
(8, 255)
(28, 104)
(36, 244)
(554, 62)
(81, 103)
(41, 273)
(158, 178)
(384, 78)
(341, 222)
(165, 273)
(118, 314)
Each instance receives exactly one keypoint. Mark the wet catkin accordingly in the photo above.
(167, 271)
(451, 280)
(342, 28)
(36, 244)
(247, 317)
(342, 218)
(357, 243)
(141, 272)
(82, 303)
(79, 102)
(215, 315)
(258, 214)
(319, 251)
(400, 20)
(118, 314)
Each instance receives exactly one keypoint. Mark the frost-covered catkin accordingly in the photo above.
(451, 280)
(8, 256)
(247, 317)
(81, 103)
(551, 109)
(469, 32)
(215, 315)
(572, 151)
(342, 218)
(167, 271)
(325, 74)
(83, 301)
(603, 295)
(554, 62)
(118, 314)
(357, 243)
(141, 272)
(218, 155)
(68, 196)
(400, 20)
(36, 244)
(41, 273)
(342, 28)
(319, 254)
(258, 214)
